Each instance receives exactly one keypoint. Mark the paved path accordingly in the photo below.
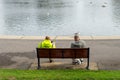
(20, 53)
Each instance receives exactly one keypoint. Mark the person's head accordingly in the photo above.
(47, 38)
(76, 37)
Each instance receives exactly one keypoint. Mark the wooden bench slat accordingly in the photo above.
(63, 53)
(68, 53)
(82, 53)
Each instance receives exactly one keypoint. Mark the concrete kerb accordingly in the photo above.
(58, 37)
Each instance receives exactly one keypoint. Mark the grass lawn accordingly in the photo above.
(12, 74)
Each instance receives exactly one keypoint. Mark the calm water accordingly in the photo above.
(59, 17)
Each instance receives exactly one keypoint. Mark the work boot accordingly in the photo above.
(81, 60)
(51, 60)
(76, 61)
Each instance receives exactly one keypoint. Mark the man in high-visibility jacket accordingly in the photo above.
(47, 43)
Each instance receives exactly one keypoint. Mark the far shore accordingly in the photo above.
(59, 37)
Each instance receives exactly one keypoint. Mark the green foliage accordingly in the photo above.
(11, 74)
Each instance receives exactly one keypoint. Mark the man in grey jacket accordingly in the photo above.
(78, 43)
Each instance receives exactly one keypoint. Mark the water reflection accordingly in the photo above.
(59, 17)
(116, 12)
(1, 18)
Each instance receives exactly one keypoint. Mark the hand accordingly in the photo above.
(51, 41)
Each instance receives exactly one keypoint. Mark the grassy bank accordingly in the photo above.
(10, 74)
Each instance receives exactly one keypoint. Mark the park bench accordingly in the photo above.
(62, 53)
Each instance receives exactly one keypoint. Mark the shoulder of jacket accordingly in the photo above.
(82, 41)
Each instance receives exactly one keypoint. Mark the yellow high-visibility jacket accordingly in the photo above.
(46, 44)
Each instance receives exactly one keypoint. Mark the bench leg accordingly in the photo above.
(87, 68)
(88, 60)
(87, 64)
(39, 64)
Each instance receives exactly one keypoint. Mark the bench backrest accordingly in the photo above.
(62, 52)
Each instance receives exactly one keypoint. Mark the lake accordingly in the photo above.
(59, 17)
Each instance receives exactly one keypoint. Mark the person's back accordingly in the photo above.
(78, 44)
(46, 44)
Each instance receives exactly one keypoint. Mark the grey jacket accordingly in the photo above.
(78, 44)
